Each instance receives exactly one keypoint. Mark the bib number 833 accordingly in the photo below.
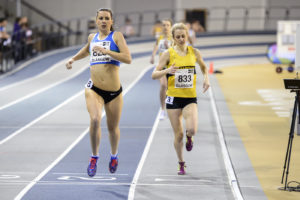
(184, 78)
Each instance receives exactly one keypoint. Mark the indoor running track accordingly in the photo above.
(44, 143)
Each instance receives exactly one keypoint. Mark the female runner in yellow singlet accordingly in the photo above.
(107, 48)
(181, 100)
(162, 44)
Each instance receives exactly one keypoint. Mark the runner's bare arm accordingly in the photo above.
(154, 52)
(203, 68)
(82, 53)
(163, 61)
(124, 55)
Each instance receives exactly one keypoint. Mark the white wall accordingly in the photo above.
(136, 7)
(141, 5)
(279, 9)
(64, 9)
(285, 3)
(218, 13)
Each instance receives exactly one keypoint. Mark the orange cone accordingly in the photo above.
(211, 68)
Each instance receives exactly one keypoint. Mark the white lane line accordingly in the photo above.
(43, 173)
(8, 176)
(183, 180)
(16, 172)
(233, 182)
(64, 103)
(44, 88)
(120, 184)
(143, 158)
(100, 174)
(74, 127)
(40, 118)
(70, 183)
(47, 127)
(173, 175)
(34, 77)
(137, 79)
(134, 127)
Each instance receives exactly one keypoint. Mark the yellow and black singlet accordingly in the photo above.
(183, 83)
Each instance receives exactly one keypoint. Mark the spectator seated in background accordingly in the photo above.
(18, 39)
(5, 38)
(127, 29)
(197, 27)
(92, 27)
(27, 40)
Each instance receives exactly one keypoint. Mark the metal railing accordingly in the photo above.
(74, 31)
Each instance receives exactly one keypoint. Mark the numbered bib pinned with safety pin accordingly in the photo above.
(184, 78)
(98, 56)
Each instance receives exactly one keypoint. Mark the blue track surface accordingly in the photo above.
(20, 114)
(68, 179)
(36, 67)
(41, 65)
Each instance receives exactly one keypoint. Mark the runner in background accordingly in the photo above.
(163, 42)
(156, 29)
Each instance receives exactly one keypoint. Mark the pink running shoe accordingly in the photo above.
(181, 168)
(189, 143)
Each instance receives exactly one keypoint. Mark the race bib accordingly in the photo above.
(98, 56)
(184, 78)
(89, 84)
(169, 100)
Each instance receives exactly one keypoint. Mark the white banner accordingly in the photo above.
(297, 61)
(286, 39)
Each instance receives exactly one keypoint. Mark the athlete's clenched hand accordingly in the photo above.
(69, 63)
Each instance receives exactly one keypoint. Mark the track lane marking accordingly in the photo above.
(55, 162)
(41, 175)
(40, 118)
(143, 159)
(233, 182)
(44, 88)
(36, 59)
(34, 77)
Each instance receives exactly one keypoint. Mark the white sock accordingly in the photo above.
(114, 155)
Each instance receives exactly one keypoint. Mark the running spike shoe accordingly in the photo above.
(113, 164)
(181, 168)
(162, 115)
(92, 168)
(189, 143)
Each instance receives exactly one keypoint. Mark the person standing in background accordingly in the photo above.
(128, 29)
(5, 38)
